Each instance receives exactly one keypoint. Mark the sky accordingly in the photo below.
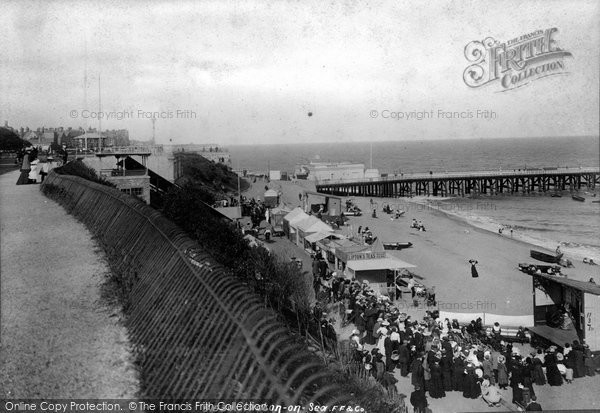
(259, 72)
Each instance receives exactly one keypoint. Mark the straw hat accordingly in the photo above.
(560, 357)
(368, 366)
(385, 323)
(479, 373)
(355, 332)
(395, 356)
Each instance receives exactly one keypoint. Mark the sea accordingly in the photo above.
(538, 219)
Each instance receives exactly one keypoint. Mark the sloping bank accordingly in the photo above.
(197, 332)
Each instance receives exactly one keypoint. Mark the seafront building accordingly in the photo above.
(338, 171)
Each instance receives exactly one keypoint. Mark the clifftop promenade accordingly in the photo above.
(59, 338)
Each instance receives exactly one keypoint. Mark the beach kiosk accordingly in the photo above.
(376, 269)
(566, 310)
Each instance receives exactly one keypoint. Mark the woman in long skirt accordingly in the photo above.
(25, 169)
(474, 272)
(436, 389)
(458, 374)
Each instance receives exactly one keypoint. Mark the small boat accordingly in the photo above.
(396, 245)
(578, 198)
(556, 196)
(542, 256)
(539, 269)
(596, 202)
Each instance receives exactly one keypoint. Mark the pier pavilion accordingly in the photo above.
(467, 183)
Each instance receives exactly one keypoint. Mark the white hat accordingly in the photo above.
(355, 332)
(385, 323)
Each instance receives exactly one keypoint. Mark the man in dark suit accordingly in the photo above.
(533, 406)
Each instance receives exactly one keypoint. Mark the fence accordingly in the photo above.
(197, 332)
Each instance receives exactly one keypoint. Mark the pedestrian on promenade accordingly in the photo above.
(25, 169)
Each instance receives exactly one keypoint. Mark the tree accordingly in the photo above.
(10, 141)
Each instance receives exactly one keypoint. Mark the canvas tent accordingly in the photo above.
(310, 225)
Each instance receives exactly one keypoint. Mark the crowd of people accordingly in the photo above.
(442, 356)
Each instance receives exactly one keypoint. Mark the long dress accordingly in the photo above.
(502, 375)
(446, 365)
(516, 379)
(538, 376)
(387, 343)
(579, 362)
(371, 321)
(474, 272)
(552, 373)
(436, 385)
(471, 389)
(403, 360)
(417, 373)
(25, 169)
(458, 373)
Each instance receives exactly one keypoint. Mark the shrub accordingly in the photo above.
(78, 168)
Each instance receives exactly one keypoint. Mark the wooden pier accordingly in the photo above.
(524, 181)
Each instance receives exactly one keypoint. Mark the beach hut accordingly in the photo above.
(310, 225)
(271, 198)
(581, 298)
(290, 221)
(275, 175)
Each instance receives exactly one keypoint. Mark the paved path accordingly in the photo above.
(58, 338)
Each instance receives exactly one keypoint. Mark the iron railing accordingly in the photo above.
(197, 332)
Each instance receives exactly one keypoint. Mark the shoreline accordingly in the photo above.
(573, 253)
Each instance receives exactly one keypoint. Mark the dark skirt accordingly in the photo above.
(457, 380)
(539, 378)
(436, 387)
(447, 379)
(471, 389)
(24, 177)
(553, 375)
(474, 272)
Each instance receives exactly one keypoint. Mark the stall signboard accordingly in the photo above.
(367, 255)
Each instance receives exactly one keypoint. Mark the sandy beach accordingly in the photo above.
(442, 252)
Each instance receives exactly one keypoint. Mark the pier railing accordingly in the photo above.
(463, 175)
(197, 332)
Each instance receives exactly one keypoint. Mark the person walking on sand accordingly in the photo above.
(474, 273)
